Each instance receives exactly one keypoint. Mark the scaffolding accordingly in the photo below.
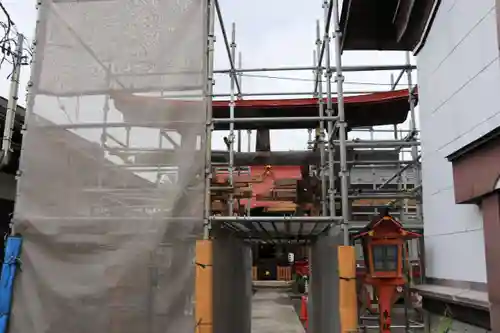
(135, 178)
(331, 139)
(331, 135)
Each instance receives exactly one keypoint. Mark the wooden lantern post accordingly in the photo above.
(384, 252)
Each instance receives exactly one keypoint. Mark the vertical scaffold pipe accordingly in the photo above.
(208, 131)
(231, 124)
(339, 78)
(240, 67)
(399, 178)
(321, 113)
(329, 112)
(413, 128)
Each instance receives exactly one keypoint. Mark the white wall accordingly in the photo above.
(459, 88)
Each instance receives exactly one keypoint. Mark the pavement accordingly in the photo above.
(276, 311)
(273, 312)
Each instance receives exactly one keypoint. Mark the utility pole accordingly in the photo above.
(10, 115)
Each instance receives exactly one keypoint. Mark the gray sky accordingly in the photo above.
(269, 34)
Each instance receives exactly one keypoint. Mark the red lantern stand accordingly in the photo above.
(384, 252)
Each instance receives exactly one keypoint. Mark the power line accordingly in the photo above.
(288, 78)
(9, 43)
(10, 23)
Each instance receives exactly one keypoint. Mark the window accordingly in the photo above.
(385, 258)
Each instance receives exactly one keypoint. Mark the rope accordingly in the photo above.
(200, 323)
(203, 265)
(13, 261)
(346, 278)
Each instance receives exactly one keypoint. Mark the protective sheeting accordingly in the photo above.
(108, 245)
(145, 44)
(9, 268)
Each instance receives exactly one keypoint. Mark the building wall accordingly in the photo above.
(459, 85)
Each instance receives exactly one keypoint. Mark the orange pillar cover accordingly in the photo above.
(204, 287)
(348, 297)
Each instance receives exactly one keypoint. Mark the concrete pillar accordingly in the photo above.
(232, 273)
(324, 314)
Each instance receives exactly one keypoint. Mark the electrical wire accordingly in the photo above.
(288, 78)
(8, 43)
(10, 23)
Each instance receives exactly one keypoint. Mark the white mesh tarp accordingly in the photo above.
(145, 44)
(109, 243)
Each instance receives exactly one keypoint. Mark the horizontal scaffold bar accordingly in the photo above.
(171, 124)
(270, 119)
(359, 68)
(378, 143)
(241, 219)
(381, 196)
(301, 93)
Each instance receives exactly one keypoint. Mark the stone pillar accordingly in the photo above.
(324, 314)
(232, 274)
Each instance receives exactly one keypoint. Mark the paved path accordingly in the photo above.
(273, 312)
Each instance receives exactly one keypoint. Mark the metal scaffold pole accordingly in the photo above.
(208, 132)
(399, 175)
(413, 127)
(399, 165)
(273, 119)
(231, 137)
(329, 110)
(232, 69)
(240, 96)
(321, 113)
(240, 75)
(357, 68)
(339, 78)
(304, 219)
(288, 93)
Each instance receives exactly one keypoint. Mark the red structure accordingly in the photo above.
(263, 179)
(386, 260)
(301, 267)
(379, 108)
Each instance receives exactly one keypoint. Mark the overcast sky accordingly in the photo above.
(273, 33)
